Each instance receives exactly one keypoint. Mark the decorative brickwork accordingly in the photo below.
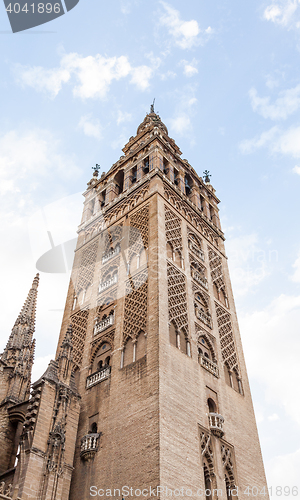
(177, 301)
(190, 215)
(79, 324)
(227, 454)
(135, 309)
(113, 237)
(87, 266)
(216, 271)
(173, 230)
(138, 233)
(226, 338)
(200, 332)
(107, 338)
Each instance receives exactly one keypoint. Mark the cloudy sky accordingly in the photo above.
(225, 76)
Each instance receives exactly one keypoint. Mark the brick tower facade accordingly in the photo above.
(149, 387)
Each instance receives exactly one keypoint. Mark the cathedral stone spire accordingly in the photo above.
(19, 351)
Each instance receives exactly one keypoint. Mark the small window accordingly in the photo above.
(94, 429)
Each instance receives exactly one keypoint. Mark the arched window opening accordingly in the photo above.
(228, 374)
(140, 346)
(176, 177)
(212, 407)
(173, 334)
(188, 183)
(166, 168)
(169, 251)
(211, 213)
(102, 358)
(94, 428)
(207, 483)
(146, 165)
(102, 198)
(177, 258)
(133, 176)
(119, 181)
(201, 309)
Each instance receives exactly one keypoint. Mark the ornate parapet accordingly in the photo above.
(97, 377)
(89, 446)
(105, 323)
(216, 424)
(209, 365)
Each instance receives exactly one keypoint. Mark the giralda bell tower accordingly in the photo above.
(165, 398)
(159, 394)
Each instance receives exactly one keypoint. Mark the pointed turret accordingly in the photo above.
(18, 354)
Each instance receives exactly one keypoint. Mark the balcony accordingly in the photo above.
(196, 250)
(216, 424)
(108, 283)
(105, 323)
(97, 377)
(199, 279)
(111, 254)
(89, 446)
(205, 318)
(209, 365)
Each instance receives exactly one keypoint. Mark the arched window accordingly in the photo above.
(212, 407)
(228, 374)
(119, 181)
(102, 358)
(169, 251)
(201, 309)
(94, 428)
(178, 339)
(134, 349)
(207, 483)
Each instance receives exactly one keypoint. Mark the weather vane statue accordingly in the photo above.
(96, 170)
(152, 106)
(207, 176)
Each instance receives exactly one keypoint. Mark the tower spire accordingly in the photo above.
(19, 351)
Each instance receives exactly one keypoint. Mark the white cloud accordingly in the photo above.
(296, 266)
(186, 34)
(28, 156)
(189, 68)
(91, 128)
(272, 344)
(282, 12)
(249, 145)
(283, 470)
(287, 103)
(89, 76)
(278, 141)
(249, 262)
(181, 124)
(273, 418)
(296, 169)
(123, 117)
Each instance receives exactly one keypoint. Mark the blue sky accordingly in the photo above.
(225, 76)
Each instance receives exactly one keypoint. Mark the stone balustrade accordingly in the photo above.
(97, 377)
(105, 323)
(109, 255)
(196, 250)
(209, 365)
(216, 424)
(205, 318)
(199, 279)
(89, 446)
(106, 284)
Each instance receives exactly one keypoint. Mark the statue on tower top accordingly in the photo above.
(152, 106)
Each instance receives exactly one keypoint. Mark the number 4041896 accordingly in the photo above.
(39, 8)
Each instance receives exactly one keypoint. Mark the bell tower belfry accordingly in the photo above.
(149, 388)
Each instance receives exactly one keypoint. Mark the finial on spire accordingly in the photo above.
(207, 176)
(152, 106)
(96, 170)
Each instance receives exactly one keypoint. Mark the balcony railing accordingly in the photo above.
(209, 365)
(216, 424)
(109, 255)
(205, 318)
(106, 284)
(97, 377)
(200, 279)
(105, 323)
(89, 446)
(196, 250)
